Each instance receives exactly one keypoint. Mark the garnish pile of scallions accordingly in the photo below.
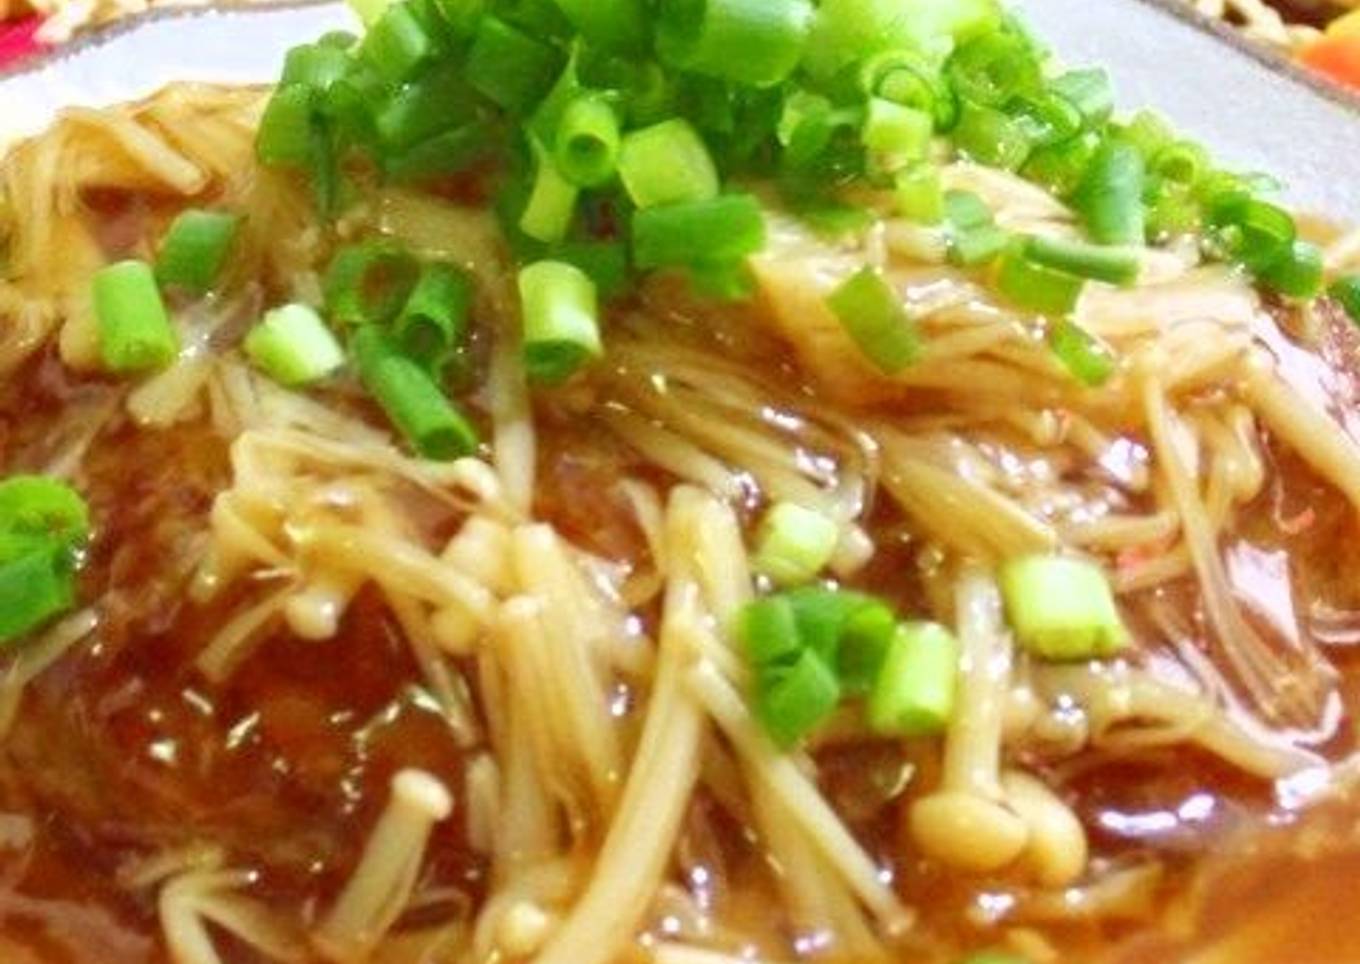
(621, 137)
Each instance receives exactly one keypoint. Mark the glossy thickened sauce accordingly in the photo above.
(122, 751)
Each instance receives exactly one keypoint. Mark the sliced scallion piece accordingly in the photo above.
(561, 320)
(286, 128)
(1254, 232)
(769, 632)
(992, 137)
(974, 237)
(914, 692)
(791, 701)
(794, 544)
(135, 333)
(864, 636)
(510, 67)
(397, 45)
(617, 25)
(293, 346)
(418, 408)
(896, 135)
(434, 320)
(1089, 91)
(41, 508)
(367, 283)
(1110, 198)
(1061, 608)
(724, 229)
(875, 318)
(992, 69)
(588, 141)
(757, 42)
(195, 249)
(1116, 266)
(919, 193)
(1034, 286)
(1089, 360)
(551, 206)
(1295, 274)
(667, 163)
(1345, 291)
(34, 587)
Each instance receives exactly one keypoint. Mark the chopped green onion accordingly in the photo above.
(1045, 118)
(613, 25)
(1110, 198)
(727, 228)
(757, 42)
(1254, 232)
(432, 424)
(34, 587)
(667, 163)
(511, 68)
(195, 249)
(919, 193)
(1089, 360)
(367, 283)
(606, 262)
(285, 134)
(991, 137)
(974, 237)
(914, 692)
(37, 507)
(1111, 265)
(794, 544)
(875, 318)
(551, 206)
(769, 632)
(369, 11)
(317, 65)
(896, 135)
(588, 141)
(1346, 292)
(135, 333)
(437, 102)
(398, 45)
(1089, 91)
(293, 346)
(863, 638)
(994, 68)
(846, 31)
(1060, 168)
(1182, 162)
(461, 16)
(820, 615)
(1147, 133)
(447, 153)
(434, 320)
(1297, 274)
(906, 77)
(561, 320)
(1034, 286)
(791, 701)
(1061, 608)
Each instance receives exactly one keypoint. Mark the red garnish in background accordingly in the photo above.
(18, 40)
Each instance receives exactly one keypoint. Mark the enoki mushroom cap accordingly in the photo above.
(967, 832)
